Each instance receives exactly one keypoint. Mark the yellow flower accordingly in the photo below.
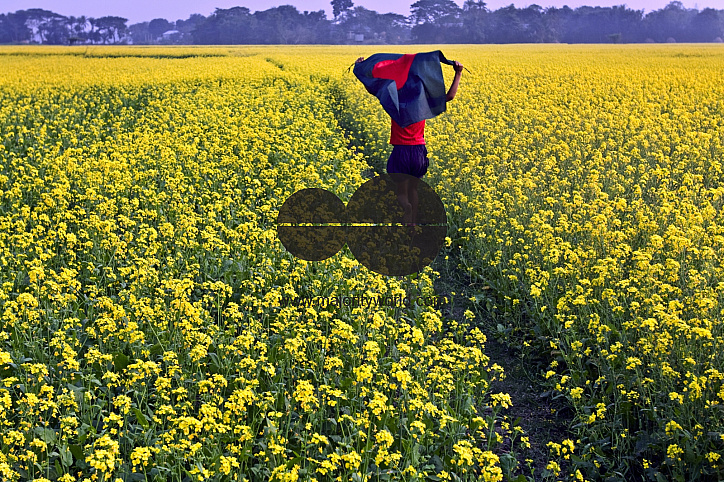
(672, 427)
(502, 399)
(103, 457)
(304, 393)
(140, 456)
(553, 467)
(673, 451)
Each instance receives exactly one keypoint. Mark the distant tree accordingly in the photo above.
(628, 22)
(339, 6)
(78, 29)
(433, 11)
(376, 27)
(286, 25)
(111, 28)
(436, 21)
(4, 30)
(596, 24)
(475, 21)
(13, 28)
(707, 25)
(582, 26)
(139, 34)
(55, 31)
(474, 5)
(394, 28)
(158, 26)
(557, 21)
(278, 24)
(317, 22)
(533, 25)
(38, 21)
(506, 25)
(186, 27)
(672, 21)
(94, 35)
(229, 26)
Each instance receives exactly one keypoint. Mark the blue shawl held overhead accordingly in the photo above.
(410, 87)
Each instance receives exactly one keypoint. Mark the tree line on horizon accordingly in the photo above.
(430, 21)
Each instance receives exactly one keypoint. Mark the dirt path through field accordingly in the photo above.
(542, 418)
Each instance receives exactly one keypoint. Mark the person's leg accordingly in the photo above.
(412, 197)
(397, 166)
(403, 198)
(420, 163)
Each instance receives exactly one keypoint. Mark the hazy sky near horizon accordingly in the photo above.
(144, 10)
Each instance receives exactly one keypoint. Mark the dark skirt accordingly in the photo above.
(410, 160)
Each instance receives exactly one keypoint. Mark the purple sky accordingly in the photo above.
(143, 10)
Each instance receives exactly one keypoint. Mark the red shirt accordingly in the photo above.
(412, 135)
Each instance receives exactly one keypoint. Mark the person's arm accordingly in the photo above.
(456, 82)
(360, 59)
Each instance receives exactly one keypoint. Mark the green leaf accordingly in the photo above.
(141, 418)
(120, 361)
(508, 463)
(47, 435)
(77, 452)
(66, 457)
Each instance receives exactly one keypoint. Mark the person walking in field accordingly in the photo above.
(410, 88)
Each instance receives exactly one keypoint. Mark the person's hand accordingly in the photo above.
(359, 60)
(457, 66)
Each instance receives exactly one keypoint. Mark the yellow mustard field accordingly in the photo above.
(145, 323)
